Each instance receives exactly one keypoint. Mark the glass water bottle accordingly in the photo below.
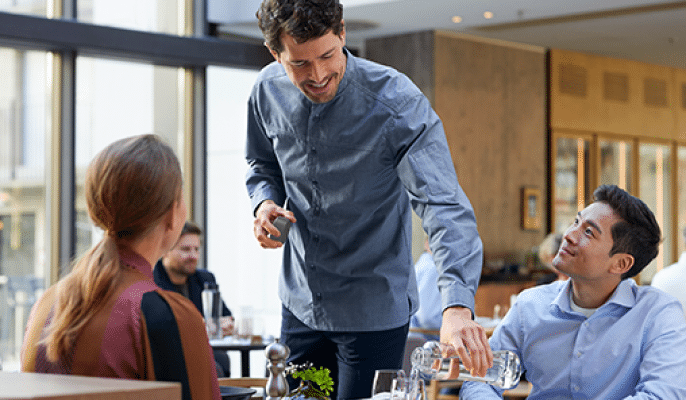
(432, 361)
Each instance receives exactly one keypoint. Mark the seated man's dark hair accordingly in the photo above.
(637, 233)
(302, 19)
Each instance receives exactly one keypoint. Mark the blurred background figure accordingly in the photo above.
(107, 317)
(672, 279)
(178, 271)
(546, 252)
(429, 314)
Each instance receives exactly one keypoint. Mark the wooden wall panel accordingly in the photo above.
(680, 104)
(492, 100)
(410, 54)
(618, 96)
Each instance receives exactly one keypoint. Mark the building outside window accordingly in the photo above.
(114, 100)
(23, 173)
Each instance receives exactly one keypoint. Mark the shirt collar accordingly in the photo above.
(624, 295)
(350, 68)
(135, 260)
(561, 301)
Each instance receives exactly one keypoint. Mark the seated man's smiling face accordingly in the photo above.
(586, 245)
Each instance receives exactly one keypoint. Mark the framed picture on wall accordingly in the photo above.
(531, 208)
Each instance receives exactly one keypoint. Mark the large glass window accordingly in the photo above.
(29, 7)
(143, 15)
(655, 186)
(681, 200)
(114, 100)
(23, 245)
(571, 180)
(616, 163)
(234, 256)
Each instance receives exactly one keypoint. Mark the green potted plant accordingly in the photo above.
(314, 383)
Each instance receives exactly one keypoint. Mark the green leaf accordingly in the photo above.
(319, 376)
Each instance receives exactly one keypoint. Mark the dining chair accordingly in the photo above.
(433, 391)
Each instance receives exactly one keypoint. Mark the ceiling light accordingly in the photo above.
(457, 19)
(488, 15)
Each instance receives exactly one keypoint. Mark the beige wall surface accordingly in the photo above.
(614, 96)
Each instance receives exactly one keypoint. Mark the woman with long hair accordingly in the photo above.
(107, 317)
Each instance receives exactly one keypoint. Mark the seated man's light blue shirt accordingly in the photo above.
(632, 347)
(351, 168)
(430, 312)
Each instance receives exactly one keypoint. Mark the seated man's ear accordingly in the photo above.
(621, 263)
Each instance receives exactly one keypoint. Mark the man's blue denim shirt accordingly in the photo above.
(351, 168)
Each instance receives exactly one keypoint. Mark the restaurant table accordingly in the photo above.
(25, 385)
(244, 346)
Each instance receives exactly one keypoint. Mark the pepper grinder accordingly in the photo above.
(277, 386)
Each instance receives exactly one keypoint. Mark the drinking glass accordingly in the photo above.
(385, 380)
(414, 390)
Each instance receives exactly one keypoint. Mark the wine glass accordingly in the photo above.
(384, 382)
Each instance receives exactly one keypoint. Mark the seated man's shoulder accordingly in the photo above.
(653, 297)
(205, 275)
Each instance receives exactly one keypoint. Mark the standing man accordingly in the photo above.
(178, 271)
(352, 145)
(598, 335)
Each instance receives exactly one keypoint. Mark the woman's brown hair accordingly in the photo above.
(130, 186)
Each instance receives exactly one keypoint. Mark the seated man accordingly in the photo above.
(598, 335)
(177, 271)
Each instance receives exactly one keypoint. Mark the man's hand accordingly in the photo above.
(469, 339)
(264, 216)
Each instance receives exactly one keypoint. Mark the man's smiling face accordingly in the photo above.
(316, 66)
(586, 245)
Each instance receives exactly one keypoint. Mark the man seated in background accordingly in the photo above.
(177, 271)
(547, 251)
(598, 335)
(672, 279)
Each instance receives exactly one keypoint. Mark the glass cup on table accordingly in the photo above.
(387, 381)
(412, 389)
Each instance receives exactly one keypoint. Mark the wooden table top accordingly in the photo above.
(22, 385)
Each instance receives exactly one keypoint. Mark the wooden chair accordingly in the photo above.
(433, 391)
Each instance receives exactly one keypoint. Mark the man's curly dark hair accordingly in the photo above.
(638, 233)
(302, 19)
